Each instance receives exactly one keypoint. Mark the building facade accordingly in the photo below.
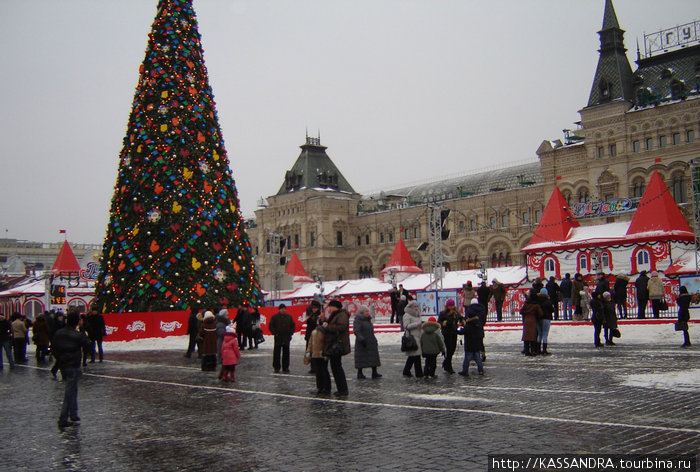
(635, 122)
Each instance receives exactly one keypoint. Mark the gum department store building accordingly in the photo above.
(635, 121)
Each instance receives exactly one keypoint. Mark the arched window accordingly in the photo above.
(32, 308)
(638, 187)
(605, 261)
(583, 195)
(549, 265)
(642, 258)
(678, 188)
(494, 260)
(78, 304)
(583, 263)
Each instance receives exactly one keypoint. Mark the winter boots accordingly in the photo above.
(544, 349)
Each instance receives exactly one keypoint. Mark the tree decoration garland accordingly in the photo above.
(175, 237)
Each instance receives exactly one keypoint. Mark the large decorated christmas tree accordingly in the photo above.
(175, 237)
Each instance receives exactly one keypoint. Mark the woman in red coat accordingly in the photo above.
(531, 313)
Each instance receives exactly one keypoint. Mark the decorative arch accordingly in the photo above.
(642, 259)
(608, 184)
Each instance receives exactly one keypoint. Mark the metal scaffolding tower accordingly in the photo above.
(435, 233)
(695, 177)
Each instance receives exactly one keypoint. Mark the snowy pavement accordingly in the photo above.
(149, 408)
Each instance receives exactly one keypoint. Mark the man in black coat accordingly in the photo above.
(565, 290)
(282, 326)
(96, 330)
(68, 344)
(642, 294)
(553, 292)
(244, 325)
(483, 295)
(193, 323)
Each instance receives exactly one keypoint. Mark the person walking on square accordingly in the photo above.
(209, 340)
(620, 294)
(448, 320)
(499, 295)
(431, 344)
(412, 323)
(193, 323)
(230, 353)
(683, 300)
(656, 293)
(68, 345)
(282, 327)
(19, 338)
(83, 328)
(40, 337)
(477, 309)
(641, 284)
(473, 342)
(553, 290)
(319, 362)
(366, 346)
(544, 323)
(337, 330)
(566, 292)
(96, 330)
(531, 312)
(6, 341)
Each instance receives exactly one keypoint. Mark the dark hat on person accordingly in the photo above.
(315, 303)
(336, 304)
(282, 305)
(73, 319)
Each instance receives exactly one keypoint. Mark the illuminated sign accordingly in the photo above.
(58, 295)
(611, 207)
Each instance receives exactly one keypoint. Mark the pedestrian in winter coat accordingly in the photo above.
(230, 353)
(394, 299)
(683, 300)
(40, 337)
(256, 336)
(531, 312)
(401, 309)
(312, 313)
(431, 344)
(602, 285)
(468, 293)
(473, 341)
(544, 323)
(483, 294)
(641, 284)
(96, 330)
(19, 338)
(585, 305)
(282, 327)
(478, 310)
(244, 325)
(412, 323)
(337, 330)
(68, 344)
(448, 321)
(366, 346)
(620, 292)
(222, 322)
(207, 333)
(6, 341)
(577, 287)
(610, 322)
(319, 362)
(656, 293)
(553, 293)
(499, 295)
(597, 316)
(193, 330)
(566, 292)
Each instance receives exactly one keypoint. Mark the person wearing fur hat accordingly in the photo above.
(448, 321)
(230, 353)
(531, 312)
(282, 326)
(337, 330)
(207, 334)
(473, 338)
(641, 284)
(412, 323)
(544, 323)
(366, 346)
(656, 293)
(431, 344)
(620, 291)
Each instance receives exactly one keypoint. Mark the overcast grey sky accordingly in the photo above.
(401, 90)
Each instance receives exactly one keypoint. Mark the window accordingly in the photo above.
(676, 139)
(367, 239)
(601, 152)
(492, 222)
(391, 236)
(33, 308)
(339, 238)
(583, 195)
(312, 239)
(538, 215)
(613, 150)
(642, 258)
(605, 261)
(678, 188)
(504, 221)
(416, 232)
(649, 144)
(462, 226)
(662, 141)
(638, 187)
(583, 262)
(381, 237)
(296, 240)
(690, 136)
(472, 225)
(359, 240)
(526, 218)
(635, 145)
(78, 304)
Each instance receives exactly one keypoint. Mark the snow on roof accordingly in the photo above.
(582, 236)
(506, 275)
(310, 289)
(370, 285)
(35, 287)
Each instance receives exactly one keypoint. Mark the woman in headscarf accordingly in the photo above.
(412, 324)
(366, 346)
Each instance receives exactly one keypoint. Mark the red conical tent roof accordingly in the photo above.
(657, 211)
(401, 260)
(556, 221)
(65, 261)
(296, 269)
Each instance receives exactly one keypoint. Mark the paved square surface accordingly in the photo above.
(156, 410)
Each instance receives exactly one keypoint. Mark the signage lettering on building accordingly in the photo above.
(611, 207)
(58, 295)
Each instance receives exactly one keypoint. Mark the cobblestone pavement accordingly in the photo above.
(157, 411)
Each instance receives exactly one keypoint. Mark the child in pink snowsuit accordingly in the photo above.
(230, 353)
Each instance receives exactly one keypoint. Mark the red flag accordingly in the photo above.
(62, 231)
